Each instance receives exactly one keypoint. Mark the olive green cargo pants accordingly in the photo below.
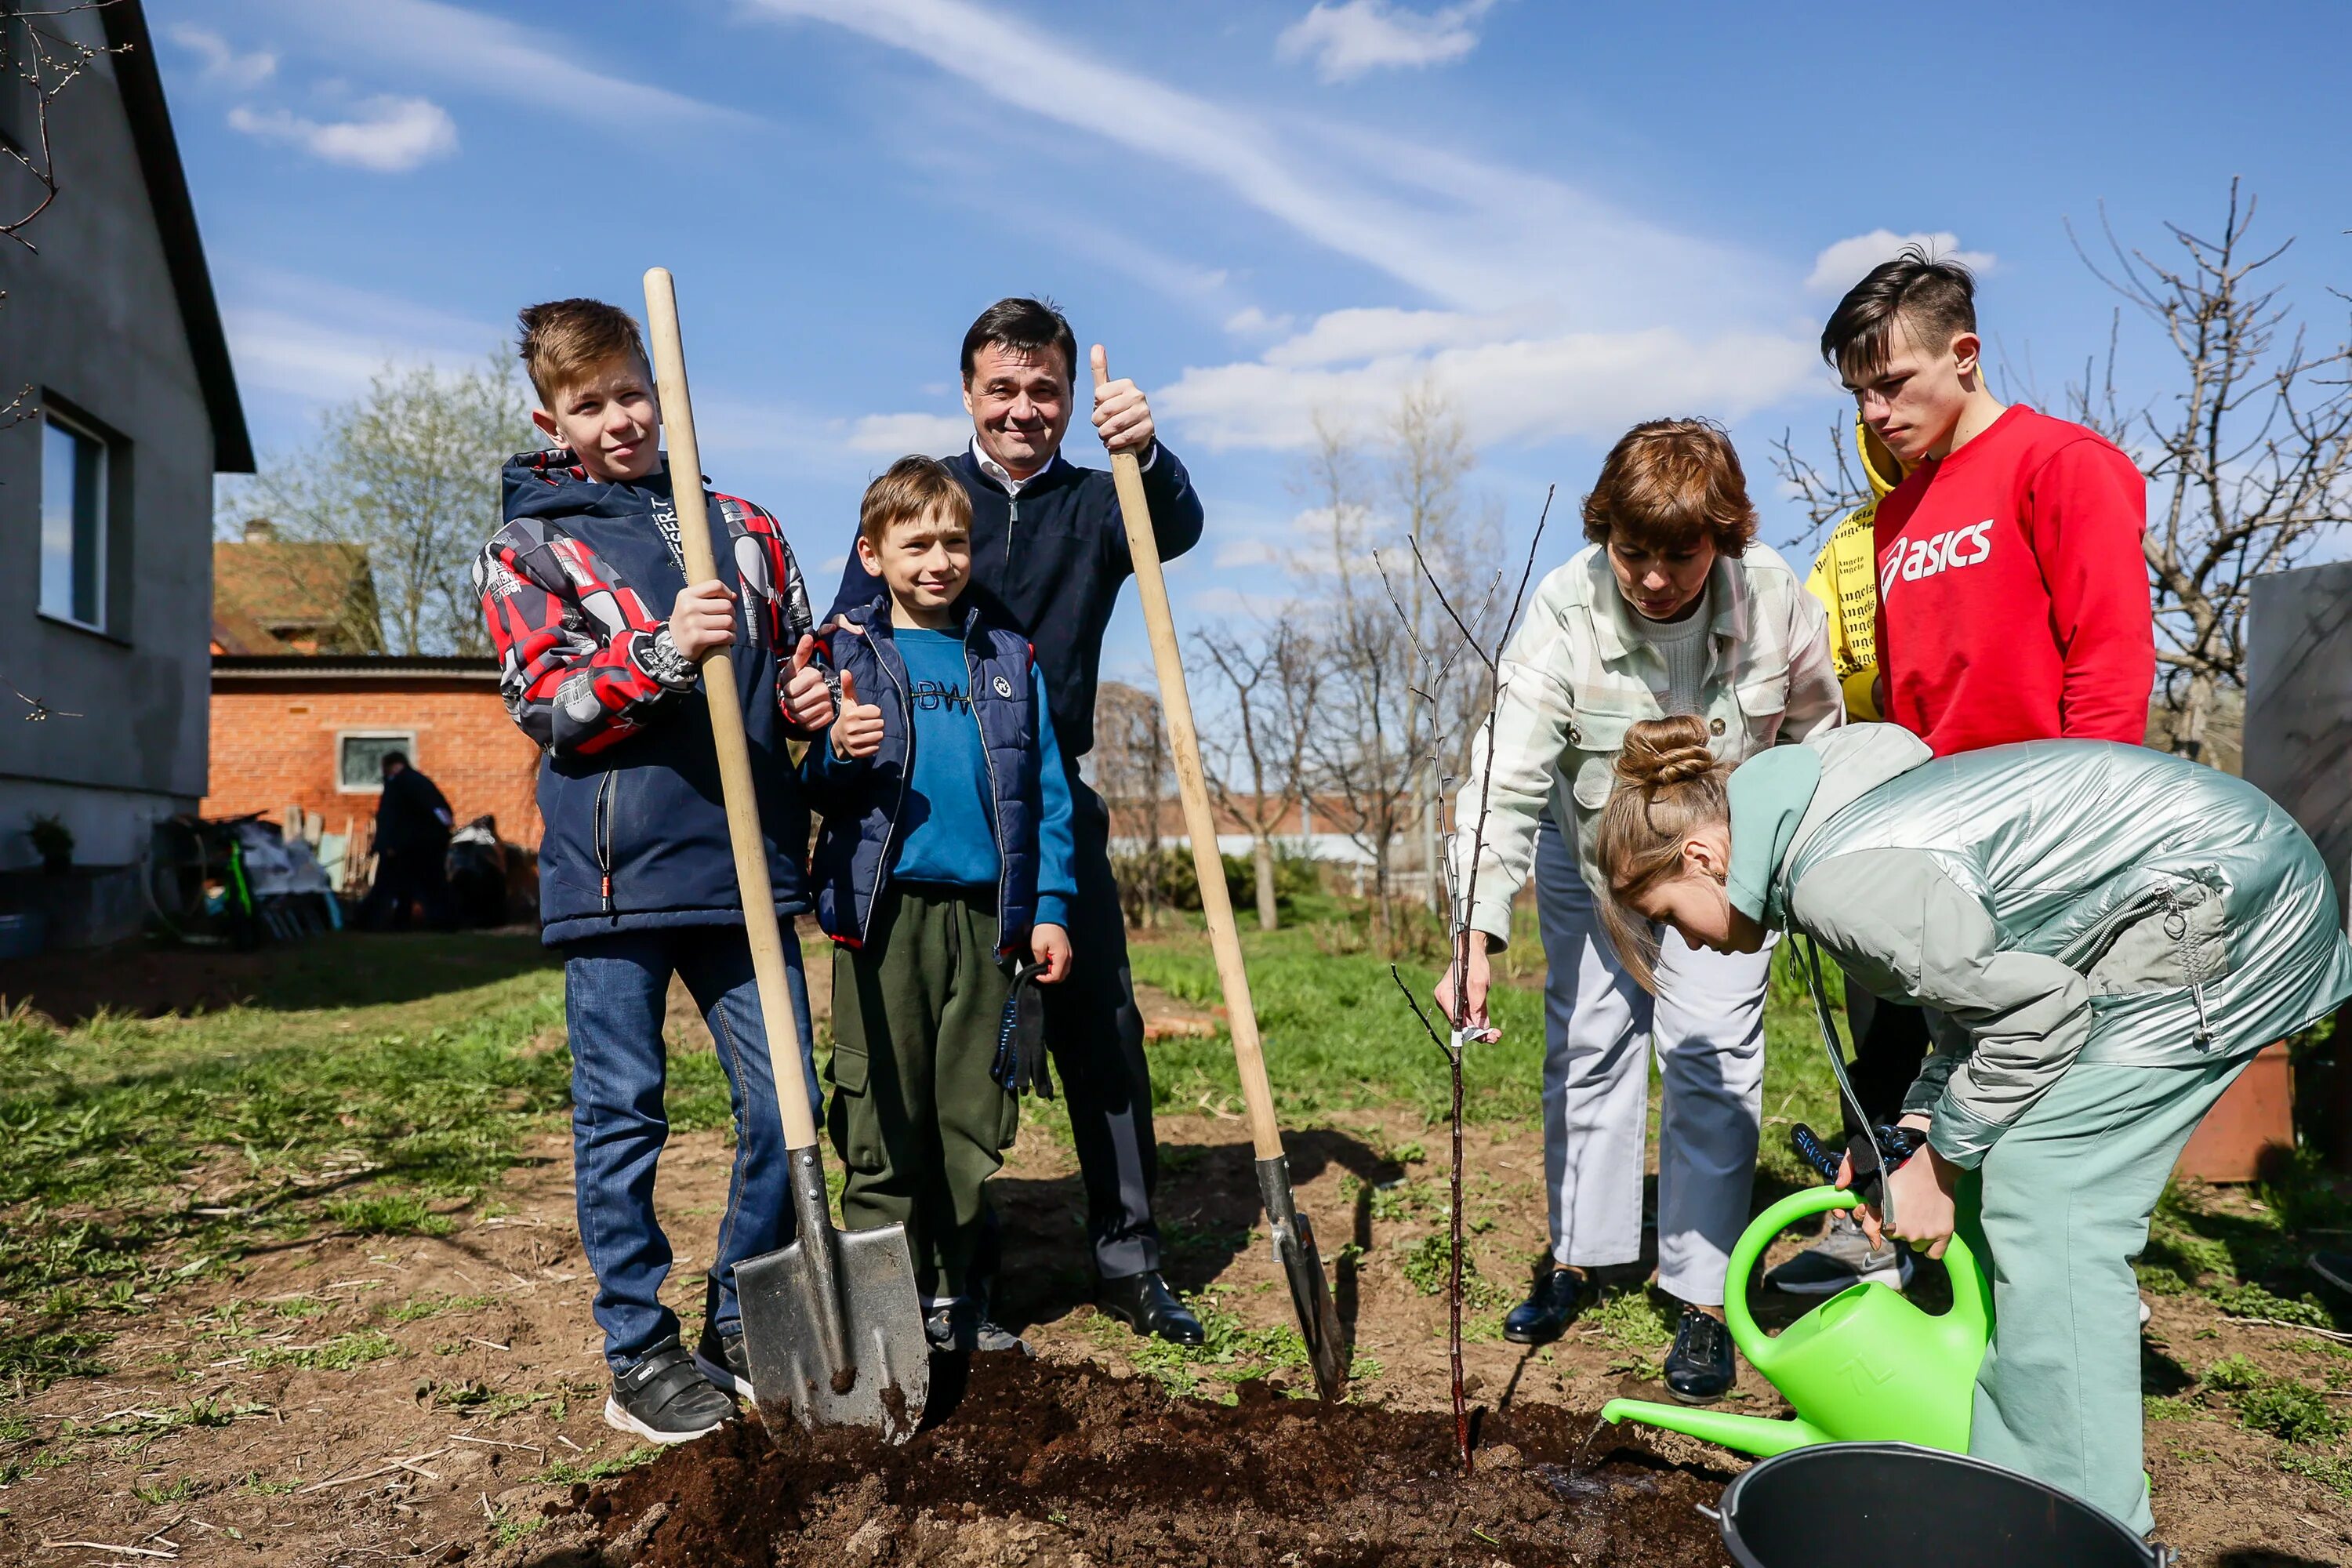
(917, 1122)
(2067, 1195)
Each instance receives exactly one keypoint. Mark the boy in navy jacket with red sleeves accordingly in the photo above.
(636, 875)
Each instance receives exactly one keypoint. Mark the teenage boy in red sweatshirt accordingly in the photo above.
(2013, 592)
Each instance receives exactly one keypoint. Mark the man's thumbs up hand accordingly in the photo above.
(806, 697)
(857, 732)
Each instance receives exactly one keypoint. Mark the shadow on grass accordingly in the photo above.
(345, 969)
(1208, 1204)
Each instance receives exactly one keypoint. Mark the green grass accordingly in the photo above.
(369, 1084)
(1632, 1319)
(417, 1309)
(1231, 1350)
(565, 1472)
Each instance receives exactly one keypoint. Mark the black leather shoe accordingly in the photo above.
(1545, 1315)
(1700, 1369)
(1144, 1304)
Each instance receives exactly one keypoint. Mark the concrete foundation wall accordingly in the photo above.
(2299, 704)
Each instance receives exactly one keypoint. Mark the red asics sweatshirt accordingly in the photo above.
(2013, 592)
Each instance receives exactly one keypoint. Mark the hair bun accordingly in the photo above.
(1661, 752)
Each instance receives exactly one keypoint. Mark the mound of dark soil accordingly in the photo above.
(1058, 1465)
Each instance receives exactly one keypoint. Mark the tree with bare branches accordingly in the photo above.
(2250, 456)
(39, 60)
(1377, 747)
(408, 472)
(1130, 773)
(1258, 760)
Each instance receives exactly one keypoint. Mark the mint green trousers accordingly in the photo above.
(2067, 1193)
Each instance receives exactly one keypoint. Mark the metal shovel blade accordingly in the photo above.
(1310, 1293)
(833, 1328)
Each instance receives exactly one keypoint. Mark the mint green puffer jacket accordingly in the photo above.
(2055, 901)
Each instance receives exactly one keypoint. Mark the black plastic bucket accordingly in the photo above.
(1918, 1507)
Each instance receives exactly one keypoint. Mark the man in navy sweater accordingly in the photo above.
(1049, 551)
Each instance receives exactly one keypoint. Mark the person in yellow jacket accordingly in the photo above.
(1891, 1040)
(1845, 580)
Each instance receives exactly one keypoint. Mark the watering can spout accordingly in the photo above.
(1747, 1434)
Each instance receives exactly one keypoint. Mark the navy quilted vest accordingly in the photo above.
(851, 862)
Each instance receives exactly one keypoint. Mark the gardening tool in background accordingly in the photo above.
(1293, 1238)
(833, 1327)
(1920, 1508)
(1866, 1364)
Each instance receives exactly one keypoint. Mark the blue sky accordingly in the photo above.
(1571, 216)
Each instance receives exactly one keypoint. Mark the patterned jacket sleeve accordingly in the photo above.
(782, 591)
(582, 662)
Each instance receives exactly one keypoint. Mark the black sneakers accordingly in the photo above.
(1700, 1369)
(664, 1398)
(1545, 1315)
(719, 1357)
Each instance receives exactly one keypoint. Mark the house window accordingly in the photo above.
(359, 765)
(73, 523)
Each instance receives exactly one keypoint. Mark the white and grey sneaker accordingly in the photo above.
(1844, 1258)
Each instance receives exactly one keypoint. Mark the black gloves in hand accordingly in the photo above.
(1019, 1062)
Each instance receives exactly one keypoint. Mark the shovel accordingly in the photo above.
(832, 1326)
(1294, 1238)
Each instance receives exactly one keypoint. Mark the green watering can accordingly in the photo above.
(1864, 1366)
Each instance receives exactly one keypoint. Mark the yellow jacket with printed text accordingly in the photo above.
(1845, 580)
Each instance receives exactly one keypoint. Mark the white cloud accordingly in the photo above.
(390, 135)
(1842, 266)
(1246, 553)
(517, 63)
(1249, 322)
(1519, 388)
(1470, 235)
(309, 339)
(895, 435)
(221, 63)
(1360, 36)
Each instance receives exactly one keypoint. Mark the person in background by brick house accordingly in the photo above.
(411, 851)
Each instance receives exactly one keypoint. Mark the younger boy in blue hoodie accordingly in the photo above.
(946, 856)
(637, 874)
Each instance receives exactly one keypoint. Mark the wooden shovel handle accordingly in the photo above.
(782, 1025)
(1192, 789)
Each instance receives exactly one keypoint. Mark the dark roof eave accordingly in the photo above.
(353, 666)
(140, 84)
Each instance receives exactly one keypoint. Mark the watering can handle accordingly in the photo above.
(1968, 1283)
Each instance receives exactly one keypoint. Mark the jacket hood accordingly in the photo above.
(1781, 798)
(1881, 485)
(551, 483)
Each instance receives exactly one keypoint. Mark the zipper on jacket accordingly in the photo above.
(604, 835)
(2176, 926)
(995, 794)
(2086, 941)
(1012, 516)
(906, 778)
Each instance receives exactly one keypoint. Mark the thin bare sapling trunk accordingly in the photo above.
(1458, 903)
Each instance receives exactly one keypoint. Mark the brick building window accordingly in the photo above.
(359, 758)
(73, 523)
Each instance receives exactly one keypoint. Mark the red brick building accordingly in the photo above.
(311, 730)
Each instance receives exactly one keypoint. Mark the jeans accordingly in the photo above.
(1705, 1025)
(614, 991)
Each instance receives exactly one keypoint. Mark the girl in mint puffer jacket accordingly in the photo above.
(2106, 934)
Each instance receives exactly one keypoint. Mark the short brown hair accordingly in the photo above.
(1668, 483)
(909, 489)
(564, 341)
(1026, 325)
(1937, 298)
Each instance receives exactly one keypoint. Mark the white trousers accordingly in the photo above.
(1705, 1024)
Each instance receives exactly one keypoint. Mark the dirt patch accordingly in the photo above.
(1065, 1466)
